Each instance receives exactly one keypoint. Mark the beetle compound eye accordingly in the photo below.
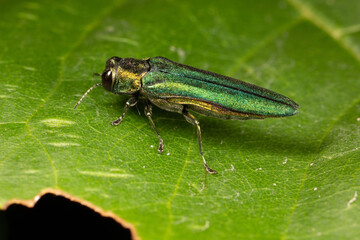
(106, 78)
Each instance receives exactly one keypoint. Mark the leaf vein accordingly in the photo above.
(326, 26)
(170, 201)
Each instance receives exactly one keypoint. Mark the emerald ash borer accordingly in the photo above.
(183, 89)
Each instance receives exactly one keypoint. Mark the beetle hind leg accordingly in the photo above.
(191, 119)
(148, 112)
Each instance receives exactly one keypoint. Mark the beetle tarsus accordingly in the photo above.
(161, 147)
(116, 122)
(209, 170)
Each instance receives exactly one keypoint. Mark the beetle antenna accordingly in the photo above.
(96, 74)
(96, 85)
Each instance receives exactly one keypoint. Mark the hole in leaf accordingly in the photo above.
(55, 216)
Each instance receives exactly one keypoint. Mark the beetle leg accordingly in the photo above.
(191, 119)
(129, 103)
(148, 112)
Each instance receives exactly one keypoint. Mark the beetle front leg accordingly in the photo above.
(148, 112)
(191, 119)
(129, 103)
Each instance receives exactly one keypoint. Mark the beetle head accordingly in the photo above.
(123, 75)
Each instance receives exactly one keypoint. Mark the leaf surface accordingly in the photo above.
(290, 178)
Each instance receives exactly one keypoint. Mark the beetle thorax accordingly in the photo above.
(127, 81)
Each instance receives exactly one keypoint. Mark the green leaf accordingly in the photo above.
(290, 178)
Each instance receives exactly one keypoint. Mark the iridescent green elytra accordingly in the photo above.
(179, 88)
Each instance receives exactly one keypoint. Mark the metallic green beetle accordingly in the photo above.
(180, 88)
